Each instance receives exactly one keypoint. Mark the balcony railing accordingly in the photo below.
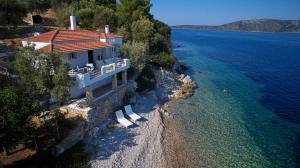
(85, 78)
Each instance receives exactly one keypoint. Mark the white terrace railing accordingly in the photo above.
(88, 78)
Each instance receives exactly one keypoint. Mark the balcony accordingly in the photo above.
(85, 76)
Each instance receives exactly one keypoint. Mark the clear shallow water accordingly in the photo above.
(257, 122)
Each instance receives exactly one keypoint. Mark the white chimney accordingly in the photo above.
(73, 22)
(106, 29)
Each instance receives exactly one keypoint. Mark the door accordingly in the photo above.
(90, 56)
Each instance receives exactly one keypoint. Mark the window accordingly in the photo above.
(72, 56)
(101, 54)
(100, 57)
(113, 51)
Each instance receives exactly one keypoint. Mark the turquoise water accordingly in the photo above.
(246, 111)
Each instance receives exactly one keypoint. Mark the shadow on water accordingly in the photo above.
(288, 110)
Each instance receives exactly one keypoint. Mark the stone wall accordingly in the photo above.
(106, 106)
(102, 109)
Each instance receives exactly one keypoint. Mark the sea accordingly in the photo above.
(246, 109)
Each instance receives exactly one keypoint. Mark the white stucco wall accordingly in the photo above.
(97, 53)
(76, 91)
(108, 53)
(101, 83)
(112, 40)
(37, 45)
(103, 40)
(82, 57)
(80, 60)
(115, 41)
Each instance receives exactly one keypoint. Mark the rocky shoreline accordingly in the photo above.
(171, 85)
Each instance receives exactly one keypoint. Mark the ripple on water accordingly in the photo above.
(232, 129)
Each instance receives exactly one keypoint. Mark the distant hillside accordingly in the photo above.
(261, 25)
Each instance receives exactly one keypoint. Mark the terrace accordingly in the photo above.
(88, 75)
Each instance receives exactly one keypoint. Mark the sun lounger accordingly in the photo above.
(131, 114)
(122, 120)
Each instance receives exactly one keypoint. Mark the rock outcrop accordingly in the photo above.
(186, 89)
(171, 85)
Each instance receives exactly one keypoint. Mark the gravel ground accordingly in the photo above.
(139, 146)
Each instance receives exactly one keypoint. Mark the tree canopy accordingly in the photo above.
(129, 11)
(12, 12)
(42, 74)
(143, 30)
(104, 16)
(15, 109)
(137, 52)
(37, 6)
(131, 19)
(136, 24)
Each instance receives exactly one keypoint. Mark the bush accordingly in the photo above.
(137, 52)
(15, 109)
(164, 59)
(146, 81)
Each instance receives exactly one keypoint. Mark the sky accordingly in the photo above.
(217, 12)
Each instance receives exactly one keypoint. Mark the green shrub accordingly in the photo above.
(164, 59)
(146, 81)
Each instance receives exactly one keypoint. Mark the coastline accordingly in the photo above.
(172, 85)
(176, 153)
(154, 141)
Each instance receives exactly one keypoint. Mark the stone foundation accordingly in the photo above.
(100, 111)
(107, 105)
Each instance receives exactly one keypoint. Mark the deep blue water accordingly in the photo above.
(246, 111)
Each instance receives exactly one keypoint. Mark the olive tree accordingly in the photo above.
(104, 16)
(142, 30)
(138, 53)
(86, 18)
(15, 109)
(62, 15)
(12, 12)
(42, 74)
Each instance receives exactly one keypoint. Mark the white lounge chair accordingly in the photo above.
(131, 114)
(122, 120)
(90, 67)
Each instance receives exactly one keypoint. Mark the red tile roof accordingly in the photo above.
(69, 35)
(75, 47)
(47, 48)
(44, 37)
